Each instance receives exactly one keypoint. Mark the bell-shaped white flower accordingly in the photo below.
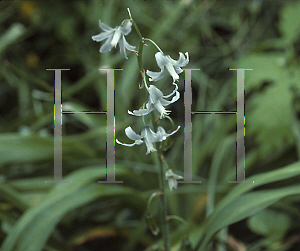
(172, 179)
(148, 135)
(156, 101)
(165, 62)
(114, 36)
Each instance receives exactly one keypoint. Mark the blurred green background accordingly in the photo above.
(86, 216)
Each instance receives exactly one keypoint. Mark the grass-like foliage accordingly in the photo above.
(214, 215)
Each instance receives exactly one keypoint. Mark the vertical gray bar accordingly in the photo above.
(240, 176)
(240, 120)
(57, 128)
(188, 127)
(110, 128)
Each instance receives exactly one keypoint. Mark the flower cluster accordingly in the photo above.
(156, 99)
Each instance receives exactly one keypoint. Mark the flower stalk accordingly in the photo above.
(140, 51)
(165, 229)
(175, 217)
(156, 101)
(161, 174)
(148, 39)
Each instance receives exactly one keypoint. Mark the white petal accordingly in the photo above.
(174, 99)
(104, 26)
(122, 47)
(182, 61)
(162, 135)
(173, 131)
(148, 134)
(161, 59)
(178, 70)
(126, 28)
(102, 36)
(172, 72)
(161, 109)
(116, 37)
(176, 88)
(177, 177)
(172, 183)
(169, 173)
(131, 134)
(141, 112)
(127, 45)
(126, 144)
(154, 76)
(154, 94)
(106, 47)
(149, 146)
(171, 60)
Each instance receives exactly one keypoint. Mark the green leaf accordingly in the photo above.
(270, 223)
(268, 113)
(8, 193)
(15, 148)
(260, 179)
(13, 33)
(289, 24)
(36, 225)
(296, 118)
(233, 197)
(244, 206)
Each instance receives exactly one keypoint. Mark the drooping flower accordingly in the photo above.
(114, 36)
(148, 135)
(165, 62)
(156, 101)
(172, 179)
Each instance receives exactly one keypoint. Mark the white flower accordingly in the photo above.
(148, 135)
(166, 62)
(156, 101)
(172, 179)
(114, 36)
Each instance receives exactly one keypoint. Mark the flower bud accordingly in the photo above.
(151, 222)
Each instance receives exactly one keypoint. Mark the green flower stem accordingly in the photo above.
(175, 217)
(145, 81)
(163, 198)
(171, 120)
(151, 198)
(148, 39)
(166, 164)
(144, 105)
(163, 202)
(140, 52)
(124, 21)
